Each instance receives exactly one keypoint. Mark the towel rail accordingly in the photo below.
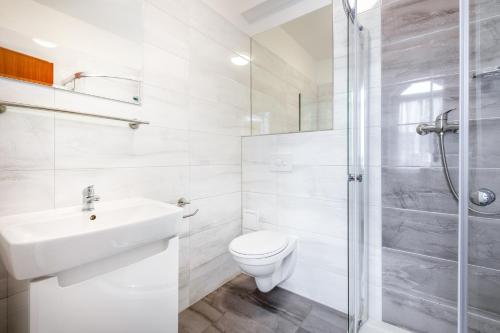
(133, 123)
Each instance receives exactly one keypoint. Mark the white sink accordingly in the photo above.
(45, 243)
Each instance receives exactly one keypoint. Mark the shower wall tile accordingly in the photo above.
(421, 232)
(423, 100)
(420, 315)
(405, 19)
(421, 57)
(436, 279)
(426, 188)
(418, 189)
(437, 54)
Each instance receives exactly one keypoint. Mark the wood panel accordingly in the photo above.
(21, 66)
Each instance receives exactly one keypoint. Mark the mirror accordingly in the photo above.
(292, 80)
(91, 47)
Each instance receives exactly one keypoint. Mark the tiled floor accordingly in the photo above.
(238, 307)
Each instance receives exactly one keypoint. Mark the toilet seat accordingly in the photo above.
(259, 244)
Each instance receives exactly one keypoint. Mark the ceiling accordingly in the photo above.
(121, 17)
(256, 16)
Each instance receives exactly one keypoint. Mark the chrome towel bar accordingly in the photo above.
(133, 123)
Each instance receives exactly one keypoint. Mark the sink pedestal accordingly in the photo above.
(137, 297)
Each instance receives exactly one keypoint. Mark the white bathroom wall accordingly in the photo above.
(309, 201)
(198, 103)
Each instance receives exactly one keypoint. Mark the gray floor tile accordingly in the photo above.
(239, 307)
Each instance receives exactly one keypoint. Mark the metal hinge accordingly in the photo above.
(352, 178)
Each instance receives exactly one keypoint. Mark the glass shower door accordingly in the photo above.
(357, 171)
(482, 272)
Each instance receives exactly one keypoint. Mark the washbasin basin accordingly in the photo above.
(49, 242)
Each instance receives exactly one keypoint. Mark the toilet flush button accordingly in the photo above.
(281, 163)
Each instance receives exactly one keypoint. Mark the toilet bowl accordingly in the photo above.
(268, 256)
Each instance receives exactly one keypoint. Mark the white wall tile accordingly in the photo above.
(208, 181)
(164, 69)
(211, 243)
(165, 108)
(211, 275)
(219, 29)
(165, 31)
(214, 149)
(165, 184)
(98, 144)
(23, 92)
(214, 211)
(33, 146)
(217, 118)
(26, 191)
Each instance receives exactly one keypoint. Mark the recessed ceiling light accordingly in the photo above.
(240, 60)
(44, 43)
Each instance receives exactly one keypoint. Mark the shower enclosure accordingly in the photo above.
(439, 217)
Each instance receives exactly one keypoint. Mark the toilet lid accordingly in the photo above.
(259, 243)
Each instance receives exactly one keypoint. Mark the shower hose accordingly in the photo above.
(444, 162)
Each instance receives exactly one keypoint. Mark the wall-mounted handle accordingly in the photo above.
(189, 215)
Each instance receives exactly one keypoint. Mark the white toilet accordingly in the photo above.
(268, 256)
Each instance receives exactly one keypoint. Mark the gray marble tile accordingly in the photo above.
(420, 232)
(192, 322)
(426, 188)
(404, 19)
(437, 54)
(436, 279)
(325, 320)
(420, 315)
(239, 304)
(423, 100)
(418, 189)
(420, 58)
(239, 307)
(234, 323)
(436, 235)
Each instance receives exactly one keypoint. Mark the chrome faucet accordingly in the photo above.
(89, 197)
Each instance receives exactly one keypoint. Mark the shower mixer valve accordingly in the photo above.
(440, 126)
(481, 197)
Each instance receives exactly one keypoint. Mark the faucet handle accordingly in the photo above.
(88, 191)
(183, 202)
